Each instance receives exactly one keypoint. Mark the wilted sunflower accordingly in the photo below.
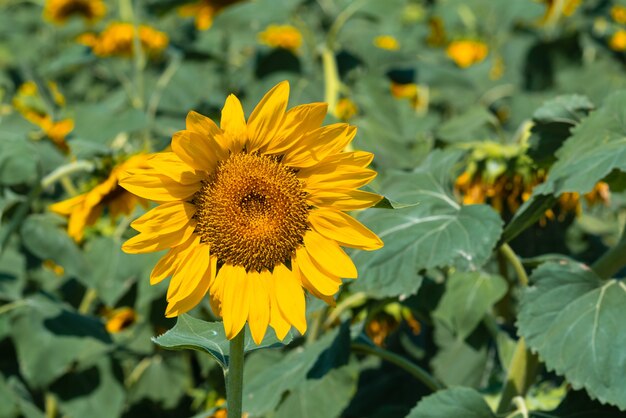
(253, 212)
(85, 209)
(59, 11)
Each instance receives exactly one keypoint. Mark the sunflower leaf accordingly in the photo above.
(455, 402)
(209, 337)
(437, 232)
(572, 319)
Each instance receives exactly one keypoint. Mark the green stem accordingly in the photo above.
(331, 79)
(66, 170)
(515, 262)
(613, 260)
(413, 369)
(355, 299)
(524, 364)
(522, 371)
(234, 376)
(88, 299)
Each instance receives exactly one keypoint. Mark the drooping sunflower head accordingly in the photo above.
(59, 11)
(253, 212)
(85, 209)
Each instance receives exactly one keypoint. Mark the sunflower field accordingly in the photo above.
(313, 208)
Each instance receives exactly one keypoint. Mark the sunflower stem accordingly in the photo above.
(524, 365)
(234, 376)
(415, 370)
(613, 260)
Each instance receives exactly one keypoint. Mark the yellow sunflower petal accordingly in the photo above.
(316, 145)
(344, 229)
(196, 150)
(267, 117)
(66, 207)
(259, 315)
(298, 121)
(330, 300)
(290, 297)
(165, 218)
(277, 320)
(147, 183)
(147, 242)
(189, 272)
(168, 264)
(178, 307)
(339, 180)
(325, 283)
(343, 199)
(329, 255)
(236, 299)
(80, 218)
(205, 126)
(344, 162)
(234, 123)
(170, 165)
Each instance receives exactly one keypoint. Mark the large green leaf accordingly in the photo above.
(468, 297)
(149, 385)
(573, 320)
(264, 387)
(321, 398)
(195, 334)
(436, 232)
(49, 338)
(91, 392)
(18, 161)
(455, 402)
(43, 236)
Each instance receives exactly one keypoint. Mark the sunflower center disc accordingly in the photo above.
(76, 7)
(252, 211)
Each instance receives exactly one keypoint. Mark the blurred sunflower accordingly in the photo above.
(557, 8)
(118, 40)
(204, 11)
(618, 13)
(466, 53)
(117, 320)
(387, 42)
(60, 11)
(253, 212)
(416, 95)
(29, 103)
(281, 36)
(85, 209)
(346, 109)
(617, 42)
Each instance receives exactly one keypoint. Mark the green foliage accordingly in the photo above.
(571, 318)
(502, 148)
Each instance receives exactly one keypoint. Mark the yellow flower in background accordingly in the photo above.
(54, 267)
(85, 209)
(387, 42)
(117, 40)
(618, 13)
(346, 109)
(618, 41)
(281, 36)
(466, 53)
(29, 103)
(59, 11)
(119, 319)
(416, 95)
(557, 8)
(253, 213)
(204, 11)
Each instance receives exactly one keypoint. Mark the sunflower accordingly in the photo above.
(117, 39)
(205, 11)
(85, 209)
(59, 11)
(466, 53)
(281, 36)
(387, 42)
(254, 213)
